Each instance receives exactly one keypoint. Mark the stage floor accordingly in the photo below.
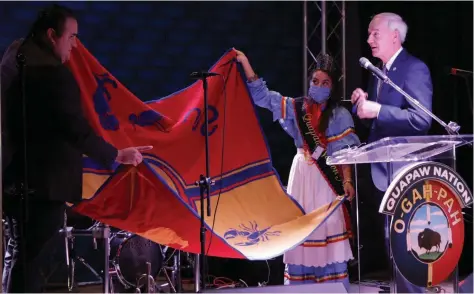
(189, 288)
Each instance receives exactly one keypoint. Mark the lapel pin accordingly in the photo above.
(394, 69)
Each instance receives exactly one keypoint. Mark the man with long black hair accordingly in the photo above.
(48, 141)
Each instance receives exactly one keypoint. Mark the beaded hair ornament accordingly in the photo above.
(324, 62)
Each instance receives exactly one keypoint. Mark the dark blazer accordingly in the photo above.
(57, 132)
(398, 117)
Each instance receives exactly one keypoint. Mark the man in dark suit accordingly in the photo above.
(57, 136)
(387, 113)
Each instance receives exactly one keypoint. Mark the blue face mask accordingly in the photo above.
(319, 94)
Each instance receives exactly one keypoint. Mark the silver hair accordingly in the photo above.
(395, 22)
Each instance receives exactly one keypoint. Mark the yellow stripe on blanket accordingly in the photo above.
(262, 229)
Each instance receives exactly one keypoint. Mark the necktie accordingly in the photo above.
(380, 83)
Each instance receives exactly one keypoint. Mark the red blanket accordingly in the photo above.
(159, 200)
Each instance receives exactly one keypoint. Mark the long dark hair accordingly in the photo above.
(332, 102)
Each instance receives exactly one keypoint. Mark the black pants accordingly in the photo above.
(41, 237)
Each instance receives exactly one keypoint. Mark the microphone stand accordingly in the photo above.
(452, 128)
(204, 184)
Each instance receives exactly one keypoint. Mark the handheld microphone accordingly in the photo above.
(365, 63)
(203, 75)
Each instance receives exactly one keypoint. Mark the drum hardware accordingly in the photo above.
(174, 282)
(129, 252)
(170, 283)
(97, 231)
(129, 258)
(150, 281)
(126, 253)
(176, 272)
(148, 277)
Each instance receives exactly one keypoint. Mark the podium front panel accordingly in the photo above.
(408, 151)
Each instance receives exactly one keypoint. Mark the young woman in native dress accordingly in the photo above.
(317, 124)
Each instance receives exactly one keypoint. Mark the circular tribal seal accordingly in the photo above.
(427, 228)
